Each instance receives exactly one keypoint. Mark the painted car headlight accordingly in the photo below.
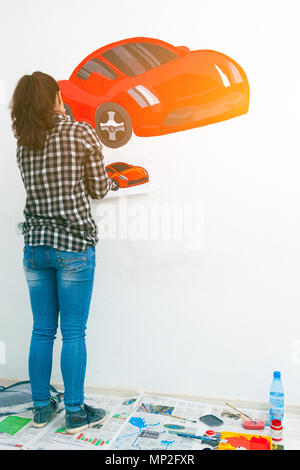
(236, 76)
(122, 177)
(223, 76)
(143, 96)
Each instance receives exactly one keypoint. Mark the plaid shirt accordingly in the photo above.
(58, 181)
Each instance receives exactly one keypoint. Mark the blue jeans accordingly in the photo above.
(58, 282)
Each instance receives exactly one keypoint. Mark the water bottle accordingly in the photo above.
(276, 398)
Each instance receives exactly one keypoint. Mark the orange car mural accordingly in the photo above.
(149, 87)
(126, 175)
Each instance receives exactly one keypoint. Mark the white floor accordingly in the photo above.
(291, 431)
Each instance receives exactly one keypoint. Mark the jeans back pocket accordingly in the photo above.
(71, 260)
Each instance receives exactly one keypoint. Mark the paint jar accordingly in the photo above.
(210, 433)
(276, 430)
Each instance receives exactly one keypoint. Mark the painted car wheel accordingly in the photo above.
(113, 125)
(69, 111)
(116, 185)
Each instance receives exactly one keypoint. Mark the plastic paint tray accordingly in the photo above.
(241, 441)
(211, 420)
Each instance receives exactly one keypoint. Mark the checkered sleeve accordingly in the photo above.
(97, 181)
(19, 164)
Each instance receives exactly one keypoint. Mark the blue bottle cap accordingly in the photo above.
(276, 374)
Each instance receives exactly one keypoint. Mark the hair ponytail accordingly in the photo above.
(32, 107)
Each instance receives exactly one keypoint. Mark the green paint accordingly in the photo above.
(12, 424)
(61, 430)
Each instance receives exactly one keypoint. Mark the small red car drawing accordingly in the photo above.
(152, 88)
(126, 175)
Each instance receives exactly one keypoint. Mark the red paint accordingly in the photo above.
(255, 443)
(253, 424)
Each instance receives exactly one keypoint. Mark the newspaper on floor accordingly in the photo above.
(156, 423)
(54, 435)
(135, 422)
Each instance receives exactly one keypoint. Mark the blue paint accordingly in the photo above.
(167, 443)
(138, 422)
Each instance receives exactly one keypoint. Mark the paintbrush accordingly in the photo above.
(230, 414)
(144, 408)
(243, 414)
(178, 417)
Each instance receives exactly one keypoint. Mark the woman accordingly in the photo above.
(61, 164)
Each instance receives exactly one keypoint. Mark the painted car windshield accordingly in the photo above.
(133, 59)
(95, 65)
(120, 166)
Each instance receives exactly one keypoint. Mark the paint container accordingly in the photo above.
(276, 430)
(253, 424)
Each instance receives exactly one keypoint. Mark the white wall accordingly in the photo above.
(212, 321)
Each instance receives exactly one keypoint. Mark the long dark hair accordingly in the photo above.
(31, 108)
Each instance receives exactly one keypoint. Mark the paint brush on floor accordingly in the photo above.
(243, 414)
(178, 417)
